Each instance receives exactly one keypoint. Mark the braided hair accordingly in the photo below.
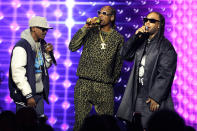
(113, 12)
(162, 24)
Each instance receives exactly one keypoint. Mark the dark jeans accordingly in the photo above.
(143, 108)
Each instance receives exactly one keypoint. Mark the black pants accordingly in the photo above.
(144, 109)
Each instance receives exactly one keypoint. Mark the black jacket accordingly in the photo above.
(160, 68)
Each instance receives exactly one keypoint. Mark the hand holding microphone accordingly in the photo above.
(92, 22)
(48, 47)
(49, 50)
(141, 31)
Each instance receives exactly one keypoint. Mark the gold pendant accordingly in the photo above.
(103, 46)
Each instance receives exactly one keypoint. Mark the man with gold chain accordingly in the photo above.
(99, 67)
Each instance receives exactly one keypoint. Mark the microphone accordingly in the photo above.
(142, 34)
(96, 23)
(52, 57)
(50, 52)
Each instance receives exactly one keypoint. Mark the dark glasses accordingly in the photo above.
(150, 20)
(43, 29)
(104, 13)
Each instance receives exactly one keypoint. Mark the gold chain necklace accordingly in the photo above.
(103, 45)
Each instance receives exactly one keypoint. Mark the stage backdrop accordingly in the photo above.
(68, 16)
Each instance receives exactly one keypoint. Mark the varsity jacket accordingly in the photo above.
(24, 82)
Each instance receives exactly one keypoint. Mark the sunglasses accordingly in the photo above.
(150, 20)
(43, 29)
(104, 13)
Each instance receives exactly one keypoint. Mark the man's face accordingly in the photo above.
(152, 21)
(105, 15)
(40, 32)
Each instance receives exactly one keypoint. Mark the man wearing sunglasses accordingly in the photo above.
(99, 65)
(155, 60)
(30, 60)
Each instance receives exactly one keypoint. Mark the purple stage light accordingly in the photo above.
(14, 26)
(70, 22)
(174, 35)
(45, 3)
(70, 3)
(65, 105)
(67, 63)
(67, 43)
(180, 110)
(53, 98)
(58, 13)
(30, 14)
(10, 49)
(57, 34)
(66, 83)
(54, 76)
(8, 100)
(52, 120)
(64, 127)
(16, 3)
(57, 54)
(1, 16)
(192, 118)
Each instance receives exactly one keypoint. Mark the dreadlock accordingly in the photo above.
(161, 28)
(162, 24)
(113, 12)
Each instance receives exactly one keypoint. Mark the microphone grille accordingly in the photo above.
(97, 20)
(146, 28)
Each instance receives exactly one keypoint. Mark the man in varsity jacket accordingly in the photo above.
(28, 73)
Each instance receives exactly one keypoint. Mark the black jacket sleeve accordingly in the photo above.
(129, 48)
(165, 75)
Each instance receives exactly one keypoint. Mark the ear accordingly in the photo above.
(112, 18)
(162, 23)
